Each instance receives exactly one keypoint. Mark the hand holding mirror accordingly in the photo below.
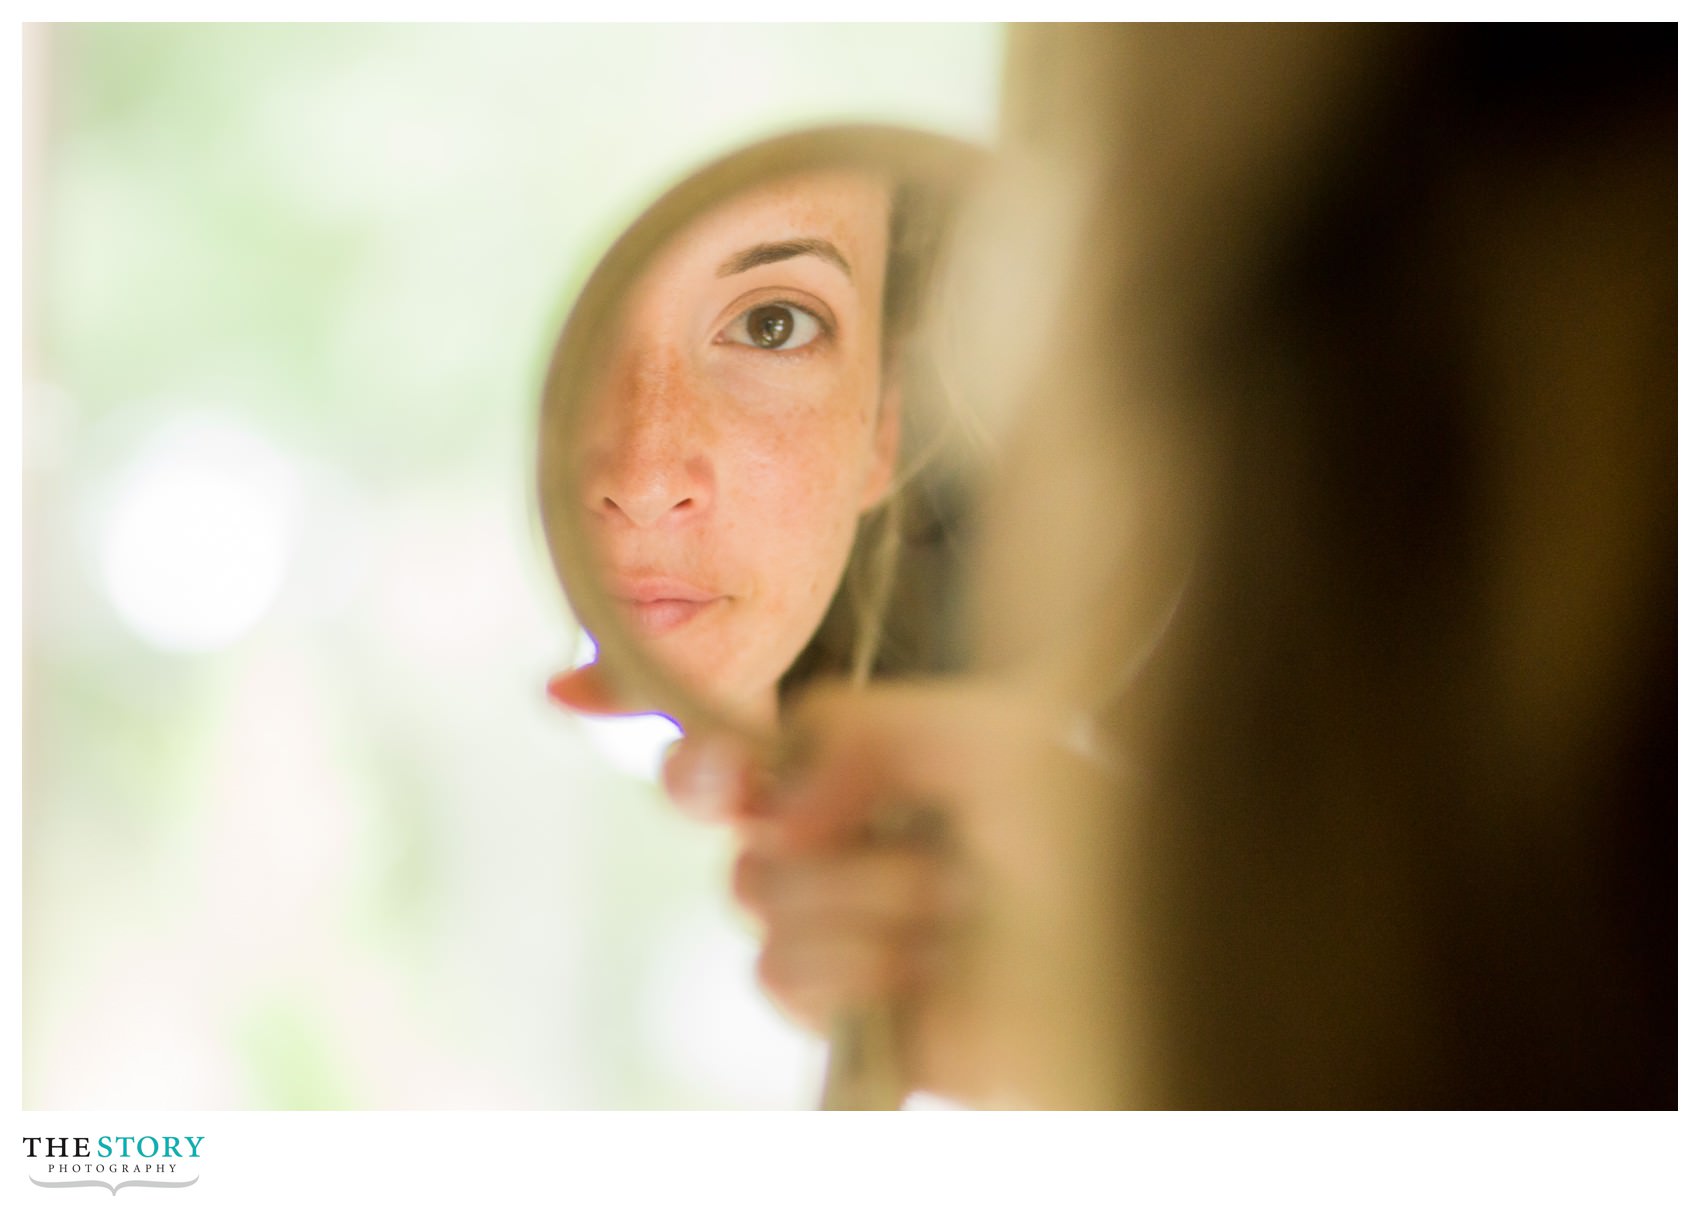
(746, 467)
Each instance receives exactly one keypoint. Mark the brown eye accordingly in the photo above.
(777, 327)
(769, 326)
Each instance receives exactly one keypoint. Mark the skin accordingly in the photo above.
(743, 471)
(993, 943)
(723, 480)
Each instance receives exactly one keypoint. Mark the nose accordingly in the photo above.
(647, 446)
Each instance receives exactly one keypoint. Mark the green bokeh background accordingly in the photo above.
(348, 856)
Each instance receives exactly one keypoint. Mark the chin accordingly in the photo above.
(720, 684)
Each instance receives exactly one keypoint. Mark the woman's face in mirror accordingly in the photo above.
(740, 427)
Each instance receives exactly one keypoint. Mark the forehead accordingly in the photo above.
(850, 209)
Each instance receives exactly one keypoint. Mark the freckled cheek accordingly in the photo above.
(791, 501)
(809, 437)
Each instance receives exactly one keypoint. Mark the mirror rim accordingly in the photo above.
(907, 152)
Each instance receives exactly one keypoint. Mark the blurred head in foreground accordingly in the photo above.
(1369, 393)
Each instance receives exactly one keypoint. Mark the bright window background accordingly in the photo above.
(300, 829)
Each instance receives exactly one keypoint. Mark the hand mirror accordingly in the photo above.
(749, 470)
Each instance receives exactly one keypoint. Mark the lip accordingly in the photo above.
(661, 604)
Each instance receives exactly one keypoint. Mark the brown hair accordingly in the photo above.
(1380, 328)
(897, 609)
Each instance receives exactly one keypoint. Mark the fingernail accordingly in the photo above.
(704, 775)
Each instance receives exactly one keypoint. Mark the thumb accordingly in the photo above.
(588, 690)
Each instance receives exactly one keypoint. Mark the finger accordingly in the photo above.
(814, 974)
(831, 785)
(710, 777)
(880, 887)
(589, 690)
(858, 758)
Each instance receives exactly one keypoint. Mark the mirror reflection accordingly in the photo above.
(742, 438)
(742, 427)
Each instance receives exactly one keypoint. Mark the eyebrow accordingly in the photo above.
(782, 250)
